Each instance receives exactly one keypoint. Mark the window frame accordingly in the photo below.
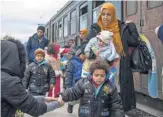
(135, 11)
(152, 7)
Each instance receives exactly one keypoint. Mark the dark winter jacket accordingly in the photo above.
(73, 71)
(129, 37)
(38, 78)
(13, 94)
(33, 44)
(106, 103)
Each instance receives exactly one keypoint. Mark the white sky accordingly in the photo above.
(20, 18)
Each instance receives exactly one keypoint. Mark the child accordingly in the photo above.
(98, 96)
(102, 46)
(39, 76)
(73, 72)
(52, 57)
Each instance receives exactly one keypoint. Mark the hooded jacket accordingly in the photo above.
(13, 94)
(103, 102)
(38, 77)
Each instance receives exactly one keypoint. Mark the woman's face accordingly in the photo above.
(99, 76)
(106, 17)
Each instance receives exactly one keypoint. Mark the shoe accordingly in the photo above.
(70, 108)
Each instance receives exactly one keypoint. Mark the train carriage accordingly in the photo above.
(147, 15)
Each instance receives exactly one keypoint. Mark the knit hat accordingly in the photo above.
(160, 33)
(105, 36)
(40, 51)
(41, 28)
(79, 51)
(84, 31)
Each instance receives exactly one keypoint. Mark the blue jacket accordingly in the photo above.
(33, 44)
(73, 71)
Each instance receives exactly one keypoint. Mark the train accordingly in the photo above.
(147, 15)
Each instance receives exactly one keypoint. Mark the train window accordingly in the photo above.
(83, 10)
(60, 29)
(131, 7)
(53, 32)
(98, 3)
(153, 4)
(83, 16)
(83, 21)
(65, 31)
(73, 22)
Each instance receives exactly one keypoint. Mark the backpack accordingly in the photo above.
(141, 60)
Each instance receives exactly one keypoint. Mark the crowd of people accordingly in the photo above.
(95, 68)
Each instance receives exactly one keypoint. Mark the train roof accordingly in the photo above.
(58, 12)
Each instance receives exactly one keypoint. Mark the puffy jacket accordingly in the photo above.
(73, 71)
(33, 44)
(13, 94)
(105, 103)
(38, 77)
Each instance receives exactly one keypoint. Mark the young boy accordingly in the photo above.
(39, 76)
(73, 73)
(98, 96)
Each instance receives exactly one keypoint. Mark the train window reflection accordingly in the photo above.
(153, 4)
(131, 7)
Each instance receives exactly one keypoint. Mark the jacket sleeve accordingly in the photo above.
(133, 40)
(74, 93)
(69, 75)
(16, 95)
(90, 44)
(26, 79)
(51, 75)
(93, 31)
(116, 104)
(111, 56)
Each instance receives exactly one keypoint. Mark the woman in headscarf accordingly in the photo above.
(124, 35)
(52, 58)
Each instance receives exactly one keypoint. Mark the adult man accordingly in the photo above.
(38, 40)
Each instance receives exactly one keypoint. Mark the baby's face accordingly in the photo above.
(100, 43)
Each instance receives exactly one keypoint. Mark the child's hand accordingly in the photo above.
(61, 101)
(51, 86)
(49, 99)
(97, 53)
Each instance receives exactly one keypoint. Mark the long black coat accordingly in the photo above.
(129, 37)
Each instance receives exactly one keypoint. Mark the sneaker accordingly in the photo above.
(70, 108)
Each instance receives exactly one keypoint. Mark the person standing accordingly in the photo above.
(52, 57)
(124, 35)
(38, 40)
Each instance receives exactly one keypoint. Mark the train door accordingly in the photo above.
(131, 11)
(152, 17)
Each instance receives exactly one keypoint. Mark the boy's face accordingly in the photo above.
(82, 57)
(39, 58)
(99, 76)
